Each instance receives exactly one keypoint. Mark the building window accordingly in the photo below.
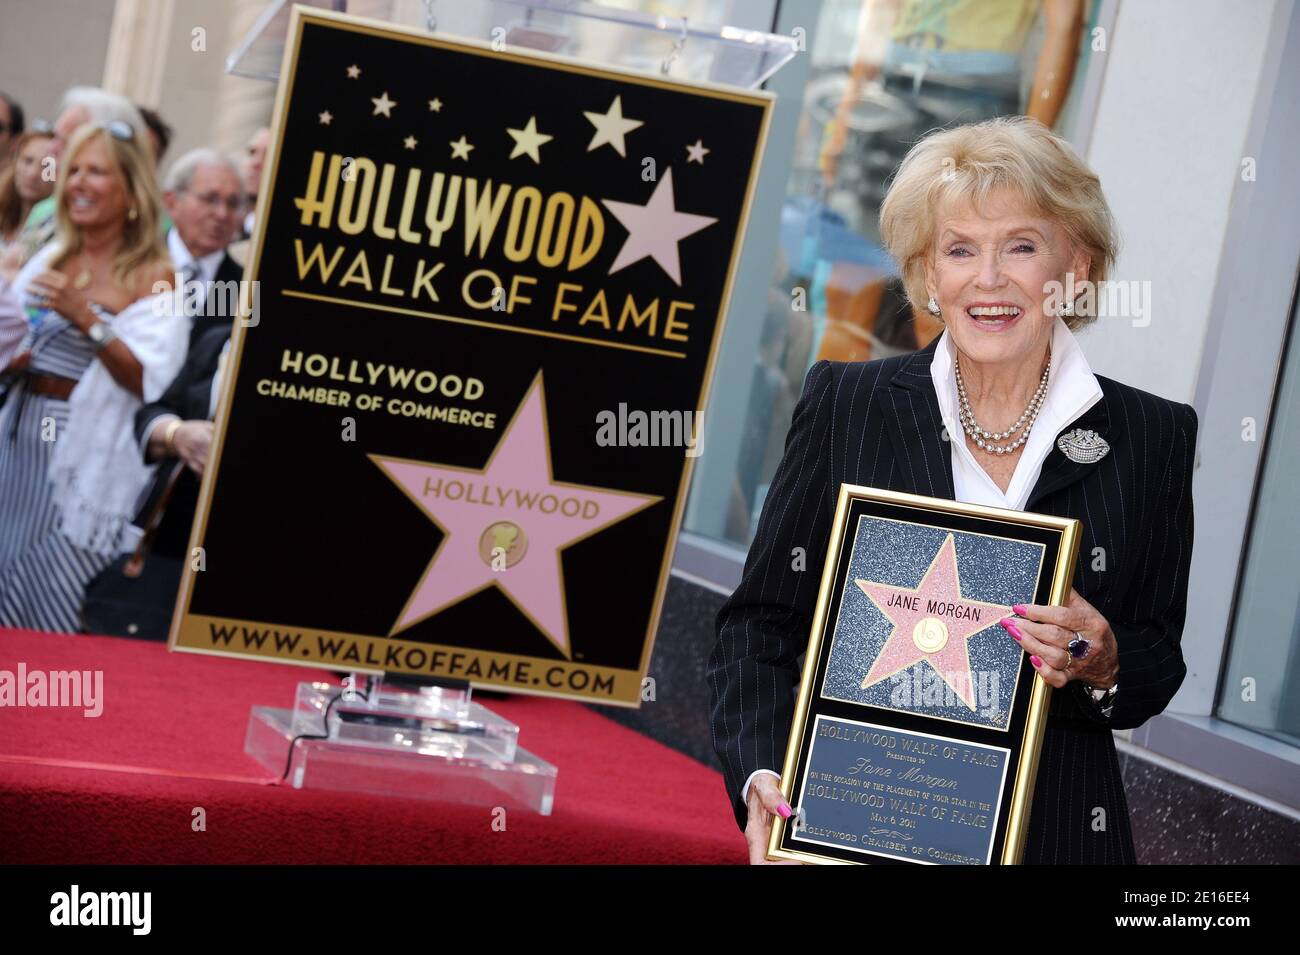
(1261, 681)
(883, 73)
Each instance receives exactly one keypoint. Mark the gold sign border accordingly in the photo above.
(302, 16)
(1022, 793)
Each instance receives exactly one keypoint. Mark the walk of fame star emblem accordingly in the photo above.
(932, 622)
(506, 524)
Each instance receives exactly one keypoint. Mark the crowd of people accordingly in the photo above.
(108, 377)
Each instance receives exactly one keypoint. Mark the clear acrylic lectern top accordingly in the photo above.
(668, 46)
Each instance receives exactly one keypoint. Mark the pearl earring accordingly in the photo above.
(133, 214)
(932, 306)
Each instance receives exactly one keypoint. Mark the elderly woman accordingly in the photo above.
(102, 337)
(983, 220)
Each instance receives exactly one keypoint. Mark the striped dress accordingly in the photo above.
(43, 575)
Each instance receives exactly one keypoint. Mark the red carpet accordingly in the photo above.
(121, 788)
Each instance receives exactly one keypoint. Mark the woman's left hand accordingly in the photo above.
(1045, 632)
(55, 290)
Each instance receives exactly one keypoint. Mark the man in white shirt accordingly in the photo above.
(205, 198)
(204, 195)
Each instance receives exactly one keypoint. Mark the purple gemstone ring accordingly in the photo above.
(1079, 646)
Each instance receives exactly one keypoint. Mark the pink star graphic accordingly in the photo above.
(510, 513)
(943, 646)
(655, 228)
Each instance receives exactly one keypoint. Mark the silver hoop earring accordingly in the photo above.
(932, 307)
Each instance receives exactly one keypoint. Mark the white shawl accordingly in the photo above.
(96, 468)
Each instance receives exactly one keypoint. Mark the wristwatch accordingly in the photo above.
(100, 334)
(1103, 699)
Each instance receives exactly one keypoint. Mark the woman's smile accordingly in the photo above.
(993, 317)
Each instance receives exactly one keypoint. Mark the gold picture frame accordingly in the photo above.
(922, 728)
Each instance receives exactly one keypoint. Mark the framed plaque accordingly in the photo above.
(919, 722)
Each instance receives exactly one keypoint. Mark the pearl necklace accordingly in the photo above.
(984, 438)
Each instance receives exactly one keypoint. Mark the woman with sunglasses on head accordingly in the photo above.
(102, 337)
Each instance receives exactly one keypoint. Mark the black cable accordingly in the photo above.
(288, 762)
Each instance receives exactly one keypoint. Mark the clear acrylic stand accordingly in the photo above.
(396, 738)
(666, 46)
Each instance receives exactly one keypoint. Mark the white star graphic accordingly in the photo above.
(435, 105)
(383, 104)
(527, 140)
(611, 127)
(460, 148)
(354, 71)
(325, 118)
(655, 229)
(697, 152)
(409, 142)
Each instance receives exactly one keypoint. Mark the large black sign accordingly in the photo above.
(459, 425)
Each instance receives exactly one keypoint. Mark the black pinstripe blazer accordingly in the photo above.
(878, 424)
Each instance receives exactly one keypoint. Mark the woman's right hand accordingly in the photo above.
(54, 290)
(765, 801)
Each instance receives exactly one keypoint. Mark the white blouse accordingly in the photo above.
(1072, 389)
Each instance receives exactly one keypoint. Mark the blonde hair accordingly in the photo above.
(969, 162)
(142, 245)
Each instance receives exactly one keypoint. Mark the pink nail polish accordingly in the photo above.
(1035, 661)
(784, 811)
(1020, 609)
(1014, 630)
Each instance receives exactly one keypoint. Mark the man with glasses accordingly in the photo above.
(204, 195)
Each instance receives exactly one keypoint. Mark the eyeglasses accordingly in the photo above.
(119, 130)
(212, 200)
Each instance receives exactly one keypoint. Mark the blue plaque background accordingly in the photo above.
(992, 569)
(832, 815)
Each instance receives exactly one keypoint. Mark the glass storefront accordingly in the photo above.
(1261, 677)
(882, 73)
